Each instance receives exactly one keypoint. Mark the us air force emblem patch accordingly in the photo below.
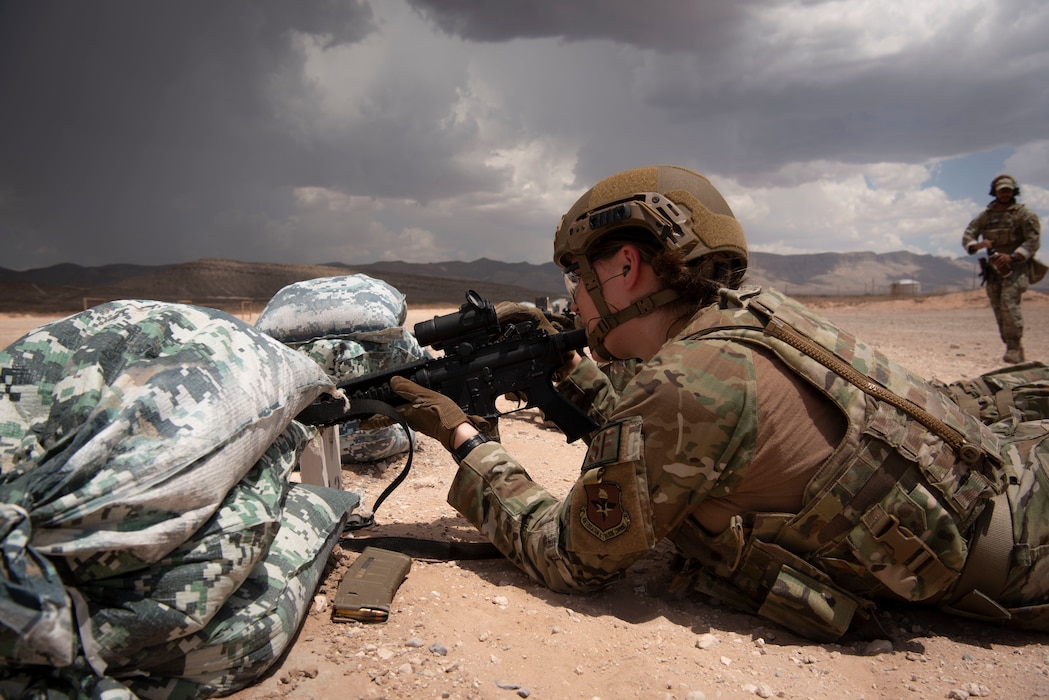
(603, 516)
(609, 492)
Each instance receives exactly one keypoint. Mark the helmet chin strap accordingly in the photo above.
(607, 319)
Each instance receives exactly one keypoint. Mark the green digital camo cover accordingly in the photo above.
(152, 543)
(322, 307)
(350, 326)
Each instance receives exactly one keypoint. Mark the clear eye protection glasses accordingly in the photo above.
(572, 280)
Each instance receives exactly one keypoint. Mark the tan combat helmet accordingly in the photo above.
(678, 206)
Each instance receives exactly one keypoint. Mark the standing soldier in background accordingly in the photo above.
(1010, 233)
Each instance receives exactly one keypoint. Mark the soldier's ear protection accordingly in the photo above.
(993, 193)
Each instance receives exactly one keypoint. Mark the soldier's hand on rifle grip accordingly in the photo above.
(513, 312)
(433, 413)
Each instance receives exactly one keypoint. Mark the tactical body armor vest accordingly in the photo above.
(1004, 228)
(892, 513)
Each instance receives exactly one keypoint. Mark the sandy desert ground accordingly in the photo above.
(481, 629)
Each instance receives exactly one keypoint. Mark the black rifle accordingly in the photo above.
(482, 360)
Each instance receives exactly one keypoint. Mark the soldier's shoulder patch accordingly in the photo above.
(607, 501)
(615, 442)
(603, 515)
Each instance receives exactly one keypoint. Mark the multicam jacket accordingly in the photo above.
(890, 514)
(1012, 230)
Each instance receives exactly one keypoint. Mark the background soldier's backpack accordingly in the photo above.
(1036, 270)
(996, 395)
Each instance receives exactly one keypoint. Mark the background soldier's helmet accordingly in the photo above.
(679, 206)
(996, 182)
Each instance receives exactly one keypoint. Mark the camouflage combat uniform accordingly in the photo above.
(891, 513)
(1012, 230)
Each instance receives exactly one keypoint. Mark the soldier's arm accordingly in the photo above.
(590, 389)
(1032, 232)
(971, 237)
(546, 537)
(640, 479)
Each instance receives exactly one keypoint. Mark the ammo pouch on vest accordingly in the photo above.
(996, 395)
(889, 515)
(764, 579)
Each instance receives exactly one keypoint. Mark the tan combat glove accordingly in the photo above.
(432, 413)
(512, 312)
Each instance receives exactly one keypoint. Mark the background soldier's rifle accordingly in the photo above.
(989, 271)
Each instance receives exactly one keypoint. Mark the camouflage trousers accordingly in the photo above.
(1004, 295)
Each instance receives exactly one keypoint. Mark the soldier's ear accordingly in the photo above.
(631, 257)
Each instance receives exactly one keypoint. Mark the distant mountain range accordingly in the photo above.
(817, 274)
(231, 283)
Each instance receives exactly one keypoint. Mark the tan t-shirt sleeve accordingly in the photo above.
(798, 429)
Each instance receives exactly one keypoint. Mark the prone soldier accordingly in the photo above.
(801, 474)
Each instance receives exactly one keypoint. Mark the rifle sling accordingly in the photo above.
(371, 407)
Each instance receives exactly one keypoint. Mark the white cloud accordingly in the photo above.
(844, 33)
(1030, 164)
(825, 206)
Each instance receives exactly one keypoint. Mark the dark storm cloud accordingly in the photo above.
(665, 25)
(753, 91)
(435, 130)
(136, 122)
(148, 127)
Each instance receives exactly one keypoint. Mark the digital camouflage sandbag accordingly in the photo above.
(351, 326)
(152, 543)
